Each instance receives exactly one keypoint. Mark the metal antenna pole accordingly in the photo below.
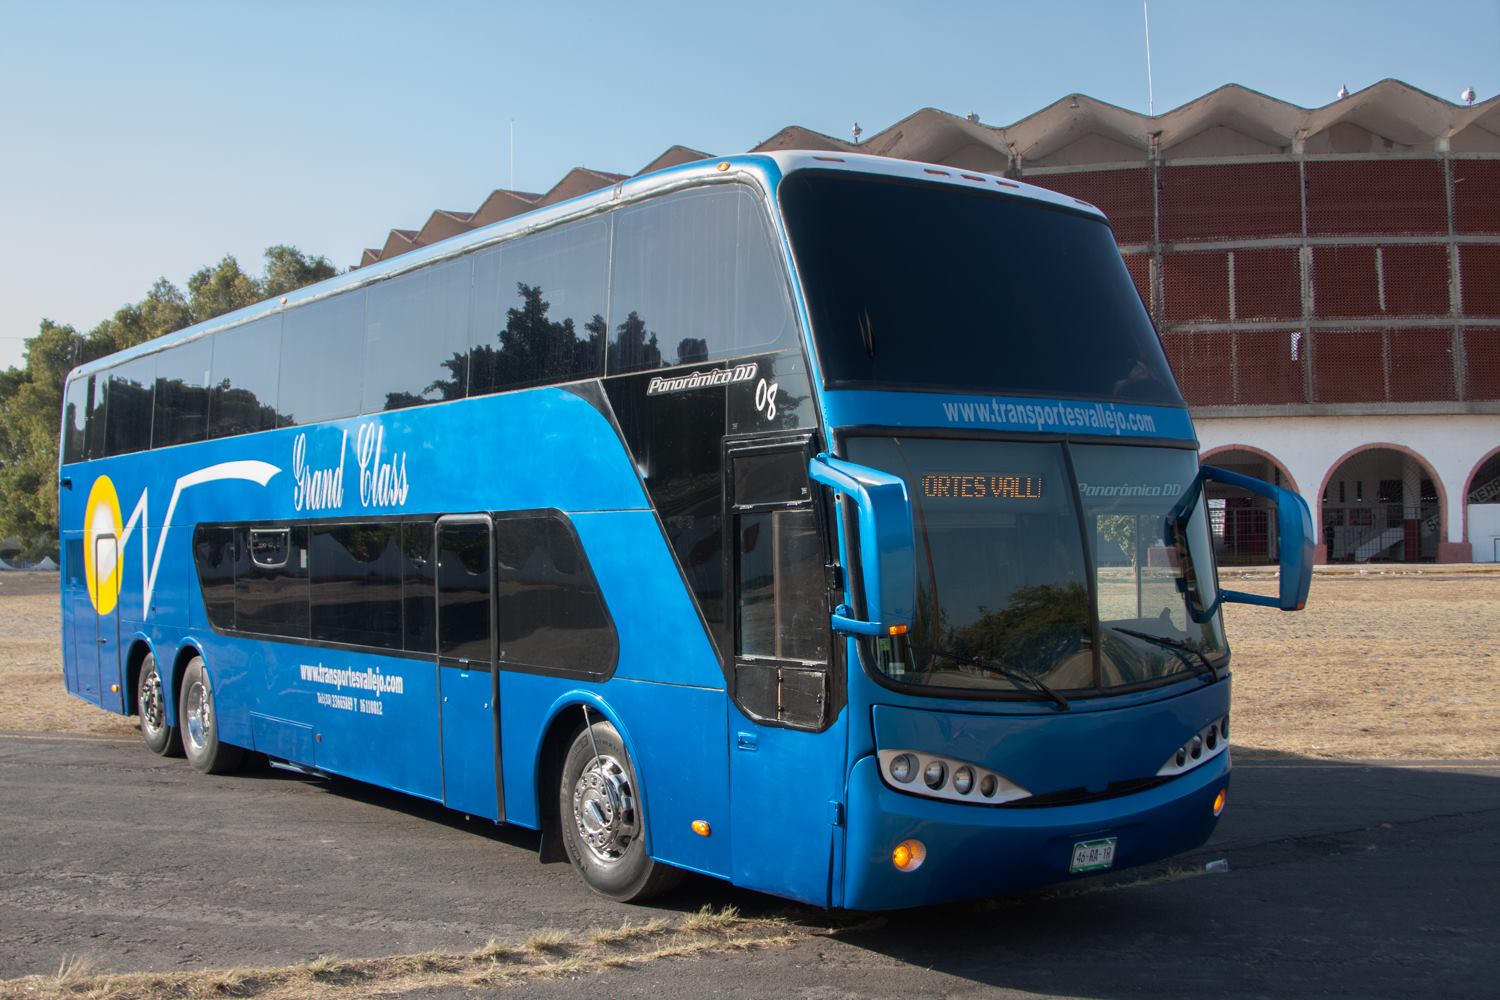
(589, 725)
(1150, 97)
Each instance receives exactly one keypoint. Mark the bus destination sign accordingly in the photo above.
(983, 485)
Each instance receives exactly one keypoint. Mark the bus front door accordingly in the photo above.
(787, 735)
(468, 686)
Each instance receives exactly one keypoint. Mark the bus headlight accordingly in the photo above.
(903, 767)
(946, 778)
(1206, 744)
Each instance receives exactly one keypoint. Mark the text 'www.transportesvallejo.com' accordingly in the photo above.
(367, 680)
(1104, 417)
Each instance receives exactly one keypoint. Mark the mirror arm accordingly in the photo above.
(1241, 597)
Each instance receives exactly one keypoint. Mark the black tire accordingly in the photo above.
(608, 844)
(197, 721)
(151, 703)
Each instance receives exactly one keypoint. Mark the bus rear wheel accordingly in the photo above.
(199, 724)
(603, 825)
(151, 702)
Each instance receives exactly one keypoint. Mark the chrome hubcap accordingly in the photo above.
(153, 715)
(200, 715)
(604, 809)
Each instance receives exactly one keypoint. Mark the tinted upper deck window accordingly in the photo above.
(242, 394)
(75, 419)
(321, 347)
(696, 277)
(129, 395)
(934, 286)
(539, 308)
(182, 385)
(416, 338)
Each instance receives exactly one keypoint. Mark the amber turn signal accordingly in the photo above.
(898, 630)
(701, 827)
(909, 855)
(1219, 800)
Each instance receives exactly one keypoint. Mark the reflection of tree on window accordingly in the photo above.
(634, 347)
(1040, 626)
(1120, 529)
(533, 350)
(692, 350)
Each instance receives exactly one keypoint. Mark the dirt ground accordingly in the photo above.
(1378, 666)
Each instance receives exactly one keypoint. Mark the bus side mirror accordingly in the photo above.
(885, 558)
(1294, 535)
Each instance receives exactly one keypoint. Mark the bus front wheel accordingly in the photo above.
(151, 702)
(603, 825)
(199, 724)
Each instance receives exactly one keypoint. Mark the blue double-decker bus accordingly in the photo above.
(831, 525)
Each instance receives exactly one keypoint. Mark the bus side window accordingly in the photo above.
(539, 309)
(464, 587)
(696, 277)
(182, 375)
(75, 419)
(416, 338)
(270, 581)
(242, 388)
(418, 588)
(550, 613)
(213, 551)
(322, 345)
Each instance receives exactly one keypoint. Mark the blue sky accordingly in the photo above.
(149, 139)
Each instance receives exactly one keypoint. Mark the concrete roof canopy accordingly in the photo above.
(579, 180)
(673, 156)
(502, 204)
(443, 224)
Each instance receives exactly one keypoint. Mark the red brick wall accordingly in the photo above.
(1230, 202)
(1376, 197)
(1383, 199)
(1123, 195)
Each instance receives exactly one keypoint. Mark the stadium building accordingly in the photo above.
(1326, 282)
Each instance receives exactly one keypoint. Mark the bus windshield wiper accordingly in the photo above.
(1199, 662)
(999, 669)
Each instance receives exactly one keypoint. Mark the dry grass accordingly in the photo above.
(543, 955)
(1376, 667)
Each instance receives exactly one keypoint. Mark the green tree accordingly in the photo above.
(31, 396)
(220, 289)
(288, 269)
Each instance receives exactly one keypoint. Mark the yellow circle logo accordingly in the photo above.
(101, 538)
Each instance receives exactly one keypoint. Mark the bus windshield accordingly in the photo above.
(932, 286)
(1003, 572)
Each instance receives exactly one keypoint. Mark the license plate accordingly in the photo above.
(1093, 855)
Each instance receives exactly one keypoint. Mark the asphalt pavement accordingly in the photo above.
(1345, 879)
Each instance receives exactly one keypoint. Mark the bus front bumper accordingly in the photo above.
(978, 851)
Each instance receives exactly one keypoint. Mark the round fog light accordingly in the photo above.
(963, 780)
(909, 855)
(904, 767)
(936, 774)
(1197, 750)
